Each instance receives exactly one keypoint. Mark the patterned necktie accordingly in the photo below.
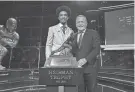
(80, 39)
(63, 28)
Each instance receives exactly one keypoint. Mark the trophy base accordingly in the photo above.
(61, 61)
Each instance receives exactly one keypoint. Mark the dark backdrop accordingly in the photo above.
(34, 18)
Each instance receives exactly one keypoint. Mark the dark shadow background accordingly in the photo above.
(34, 19)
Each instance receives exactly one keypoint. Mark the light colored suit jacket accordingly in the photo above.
(56, 38)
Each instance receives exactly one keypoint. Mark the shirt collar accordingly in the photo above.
(61, 25)
(83, 31)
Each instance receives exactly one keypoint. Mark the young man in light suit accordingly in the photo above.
(86, 48)
(59, 33)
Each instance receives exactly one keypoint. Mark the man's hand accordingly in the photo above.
(81, 62)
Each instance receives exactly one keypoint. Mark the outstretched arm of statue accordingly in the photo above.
(66, 44)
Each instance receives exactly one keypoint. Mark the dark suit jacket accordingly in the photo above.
(90, 49)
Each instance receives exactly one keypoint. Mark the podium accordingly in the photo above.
(61, 74)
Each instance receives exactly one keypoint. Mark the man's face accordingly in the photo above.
(81, 23)
(11, 25)
(63, 17)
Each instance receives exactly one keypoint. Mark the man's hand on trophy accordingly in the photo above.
(47, 62)
(81, 62)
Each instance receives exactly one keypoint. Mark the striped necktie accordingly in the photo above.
(80, 39)
(63, 28)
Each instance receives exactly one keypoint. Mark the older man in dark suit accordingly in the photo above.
(86, 48)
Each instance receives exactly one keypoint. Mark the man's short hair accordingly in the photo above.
(82, 16)
(63, 8)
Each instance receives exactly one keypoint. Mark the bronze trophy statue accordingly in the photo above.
(62, 60)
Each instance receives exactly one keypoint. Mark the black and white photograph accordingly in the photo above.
(67, 46)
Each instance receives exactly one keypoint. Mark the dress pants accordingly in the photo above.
(90, 83)
(90, 80)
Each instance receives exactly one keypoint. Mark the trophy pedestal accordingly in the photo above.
(61, 74)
